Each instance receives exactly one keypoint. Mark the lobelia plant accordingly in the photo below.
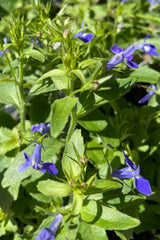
(85, 115)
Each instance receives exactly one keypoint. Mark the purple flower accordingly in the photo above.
(147, 47)
(43, 128)
(149, 95)
(142, 184)
(36, 163)
(85, 37)
(121, 56)
(49, 233)
(124, 0)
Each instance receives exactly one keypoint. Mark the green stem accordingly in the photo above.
(22, 104)
(72, 125)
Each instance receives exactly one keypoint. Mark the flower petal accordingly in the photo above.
(123, 173)
(116, 49)
(131, 64)
(118, 58)
(49, 167)
(145, 98)
(45, 233)
(142, 185)
(139, 46)
(86, 37)
(25, 165)
(129, 162)
(129, 51)
(36, 157)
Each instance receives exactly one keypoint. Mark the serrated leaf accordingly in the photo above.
(60, 113)
(106, 217)
(50, 187)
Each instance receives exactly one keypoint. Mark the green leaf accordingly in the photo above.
(77, 203)
(53, 73)
(9, 139)
(80, 75)
(99, 186)
(145, 74)
(34, 54)
(74, 150)
(43, 87)
(89, 61)
(60, 113)
(7, 6)
(107, 217)
(9, 94)
(87, 231)
(50, 187)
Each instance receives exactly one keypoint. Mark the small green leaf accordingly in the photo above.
(80, 75)
(9, 94)
(34, 54)
(9, 139)
(107, 217)
(74, 148)
(87, 231)
(60, 113)
(77, 203)
(99, 186)
(50, 187)
(52, 73)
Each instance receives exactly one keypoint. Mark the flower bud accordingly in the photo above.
(71, 182)
(65, 34)
(83, 160)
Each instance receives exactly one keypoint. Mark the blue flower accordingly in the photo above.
(124, 0)
(149, 95)
(49, 233)
(147, 47)
(153, 2)
(85, 37)
(43, 128)
(6, 50)
(121, 56)
(36, 163)
(142, 185)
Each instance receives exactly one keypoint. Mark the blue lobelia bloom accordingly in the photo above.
(49, 233)
(121, 56)
(149, 95)
(124, 1)
(147, 47)
(36, 163)
(43, 128)
(153, 2)
(85, 37)
(142, 184)
(6, 50)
